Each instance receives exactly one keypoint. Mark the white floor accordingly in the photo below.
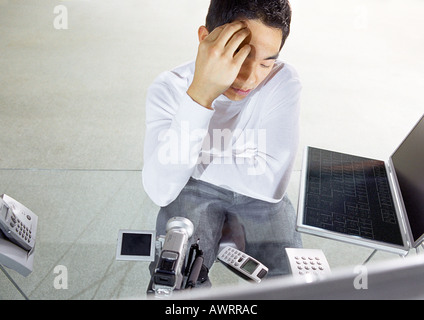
(72, 115)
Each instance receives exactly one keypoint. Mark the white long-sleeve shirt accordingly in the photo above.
(246, 146)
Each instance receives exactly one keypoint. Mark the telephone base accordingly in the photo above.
(14, 257)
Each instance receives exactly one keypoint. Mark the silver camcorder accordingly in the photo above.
(168, 274)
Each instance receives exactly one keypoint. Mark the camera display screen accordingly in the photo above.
(249, 266)
(136, 245)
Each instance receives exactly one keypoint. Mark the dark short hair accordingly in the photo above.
(272, 13)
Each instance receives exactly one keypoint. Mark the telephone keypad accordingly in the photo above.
(304, 262)
(17, 222)
(234, 256)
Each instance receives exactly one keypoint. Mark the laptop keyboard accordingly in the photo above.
(350, 195)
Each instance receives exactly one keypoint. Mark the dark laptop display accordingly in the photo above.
(365, 201)
(408, 162)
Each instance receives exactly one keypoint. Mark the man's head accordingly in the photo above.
(272, 13)
(269, 25)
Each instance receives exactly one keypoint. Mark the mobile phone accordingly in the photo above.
(243, 264)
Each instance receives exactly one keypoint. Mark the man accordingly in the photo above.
(222, 133)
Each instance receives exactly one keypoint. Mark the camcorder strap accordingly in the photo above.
(195, 270)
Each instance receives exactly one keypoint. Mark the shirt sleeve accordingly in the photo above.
(175, 129)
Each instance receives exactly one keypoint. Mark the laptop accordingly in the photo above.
(365, 201)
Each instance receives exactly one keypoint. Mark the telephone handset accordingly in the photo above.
(18, 223)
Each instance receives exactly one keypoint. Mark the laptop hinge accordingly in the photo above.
(399, 206)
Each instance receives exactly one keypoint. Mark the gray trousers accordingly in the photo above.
(266, 228)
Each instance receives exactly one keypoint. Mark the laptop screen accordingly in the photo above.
(408, 162)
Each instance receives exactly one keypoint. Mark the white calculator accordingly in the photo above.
(308, 264)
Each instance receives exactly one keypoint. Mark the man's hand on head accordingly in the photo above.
(219, 60)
